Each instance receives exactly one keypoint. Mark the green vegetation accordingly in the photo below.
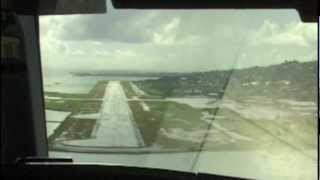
(128, 89)
(164, 87)
(295, 131)
(290, 80)
(296, 134)
(74, 106)
(265, 133)
(73, 128)
(156, 94)
(166, 115)
(96, 92)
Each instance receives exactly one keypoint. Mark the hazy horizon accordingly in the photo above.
(123, 72)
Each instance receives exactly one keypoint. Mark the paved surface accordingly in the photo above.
(116, 126)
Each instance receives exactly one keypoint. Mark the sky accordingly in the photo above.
(174, 40)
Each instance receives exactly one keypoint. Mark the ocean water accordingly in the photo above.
(67, 83)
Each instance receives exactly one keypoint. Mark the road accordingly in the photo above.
(115, 126)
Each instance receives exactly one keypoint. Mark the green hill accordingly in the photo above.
(291, 79)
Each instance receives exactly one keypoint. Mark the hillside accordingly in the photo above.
(291, 79)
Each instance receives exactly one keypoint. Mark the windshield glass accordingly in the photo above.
(229, 92)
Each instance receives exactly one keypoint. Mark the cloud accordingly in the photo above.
(296, 34)
(100, 52)
(168, 34)
(168, 40)
(124, 26)
(127, 53)
(77, 52)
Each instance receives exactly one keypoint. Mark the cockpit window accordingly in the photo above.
(229, 92)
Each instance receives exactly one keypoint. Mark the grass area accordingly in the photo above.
(159, 88)
(169, 115)
(166, 115)
(96, 92)
(155, 93)
(162, 115)
(128, 89)
(299, 131)
(74, 106)
(266, 133)
(73, 128)
(296, 132)
(263, 133)
(130, 92)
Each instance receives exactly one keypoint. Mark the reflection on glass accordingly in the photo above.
(222, 92)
